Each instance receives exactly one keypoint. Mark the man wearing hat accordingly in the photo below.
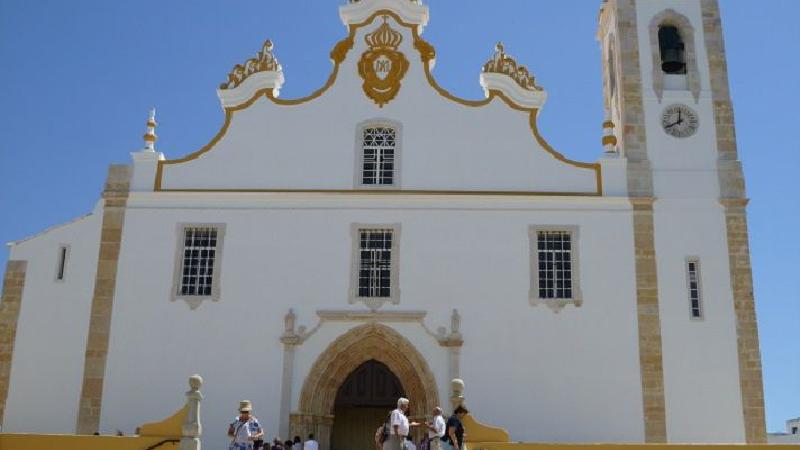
(245, 428)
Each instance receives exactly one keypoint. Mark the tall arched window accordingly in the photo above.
(673, 54)
(672, 48)
(378, 166)
(378, 154)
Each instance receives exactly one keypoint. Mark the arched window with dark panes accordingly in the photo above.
(670, 43)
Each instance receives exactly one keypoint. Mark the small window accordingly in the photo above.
(693, 286)
(199, 260)
(555, 264)
(61, 266)
(554, 278)
(378, 156)
(375, 279)
(375, 263)
(670, 43)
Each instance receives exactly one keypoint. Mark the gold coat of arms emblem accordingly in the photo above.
(382, 67)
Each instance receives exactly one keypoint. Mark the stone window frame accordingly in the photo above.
(61, 266)
(670, 17)
(194, 301)
(555, 304)
(359, 153)
(374, 303)
(700, 301)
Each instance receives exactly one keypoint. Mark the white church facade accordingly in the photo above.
(382, 236)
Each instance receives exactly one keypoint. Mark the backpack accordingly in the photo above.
(385, 432)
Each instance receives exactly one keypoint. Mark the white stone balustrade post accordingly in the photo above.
(192, 428)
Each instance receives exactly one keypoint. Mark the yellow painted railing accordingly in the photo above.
(11, 441)
(480, 436)
(164, 435)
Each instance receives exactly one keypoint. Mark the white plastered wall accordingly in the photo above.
(472, 254)
(47, 365)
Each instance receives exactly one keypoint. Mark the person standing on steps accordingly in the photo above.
(311, 444)
(399, 425)
(436, 430)
(245, 428)
(455, 428)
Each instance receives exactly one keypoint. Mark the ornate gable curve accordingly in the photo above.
(382, 65)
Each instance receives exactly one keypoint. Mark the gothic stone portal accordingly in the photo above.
(371, 345)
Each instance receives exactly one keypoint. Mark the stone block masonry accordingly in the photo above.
(115, 196)
(13, 285)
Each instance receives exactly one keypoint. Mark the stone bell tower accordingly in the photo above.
(665, 89)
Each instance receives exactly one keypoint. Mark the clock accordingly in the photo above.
(679, 121)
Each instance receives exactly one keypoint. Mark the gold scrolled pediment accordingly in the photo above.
(427, 55)
(501, 62)
(263, 61)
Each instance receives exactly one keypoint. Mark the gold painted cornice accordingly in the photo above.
(427, 54)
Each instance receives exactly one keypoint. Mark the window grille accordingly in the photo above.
(379, 156)
(554, 250)
(199, 254)
(693, 278)
(375, 263)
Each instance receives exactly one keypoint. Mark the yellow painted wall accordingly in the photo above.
(10, 441)
(150, 434)
(530, 446)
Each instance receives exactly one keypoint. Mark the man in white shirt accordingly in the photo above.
(311, 444)
(436, 429)
(399, 425)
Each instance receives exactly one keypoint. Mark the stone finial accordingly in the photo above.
(501, 62)
(455, 322)
(609, 138)
(150, 135)
(457, 392)
(264, 61)
(192, 428)
(288, 323)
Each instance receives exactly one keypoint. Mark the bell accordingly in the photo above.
(672, 61)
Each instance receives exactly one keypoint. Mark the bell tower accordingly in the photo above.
(666, 95)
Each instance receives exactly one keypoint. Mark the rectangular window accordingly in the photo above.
(693, 285)
(198, 261)
(378, 156)
(62, 262)
(375, 263)
(554, 250)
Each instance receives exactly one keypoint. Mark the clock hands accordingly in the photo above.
(677, 122)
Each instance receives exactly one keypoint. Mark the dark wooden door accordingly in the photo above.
(362, 404)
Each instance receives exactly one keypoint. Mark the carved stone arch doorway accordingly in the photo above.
(346, 354)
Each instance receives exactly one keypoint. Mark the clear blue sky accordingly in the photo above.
(77, 78)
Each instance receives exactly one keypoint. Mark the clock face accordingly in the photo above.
(679, 121)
